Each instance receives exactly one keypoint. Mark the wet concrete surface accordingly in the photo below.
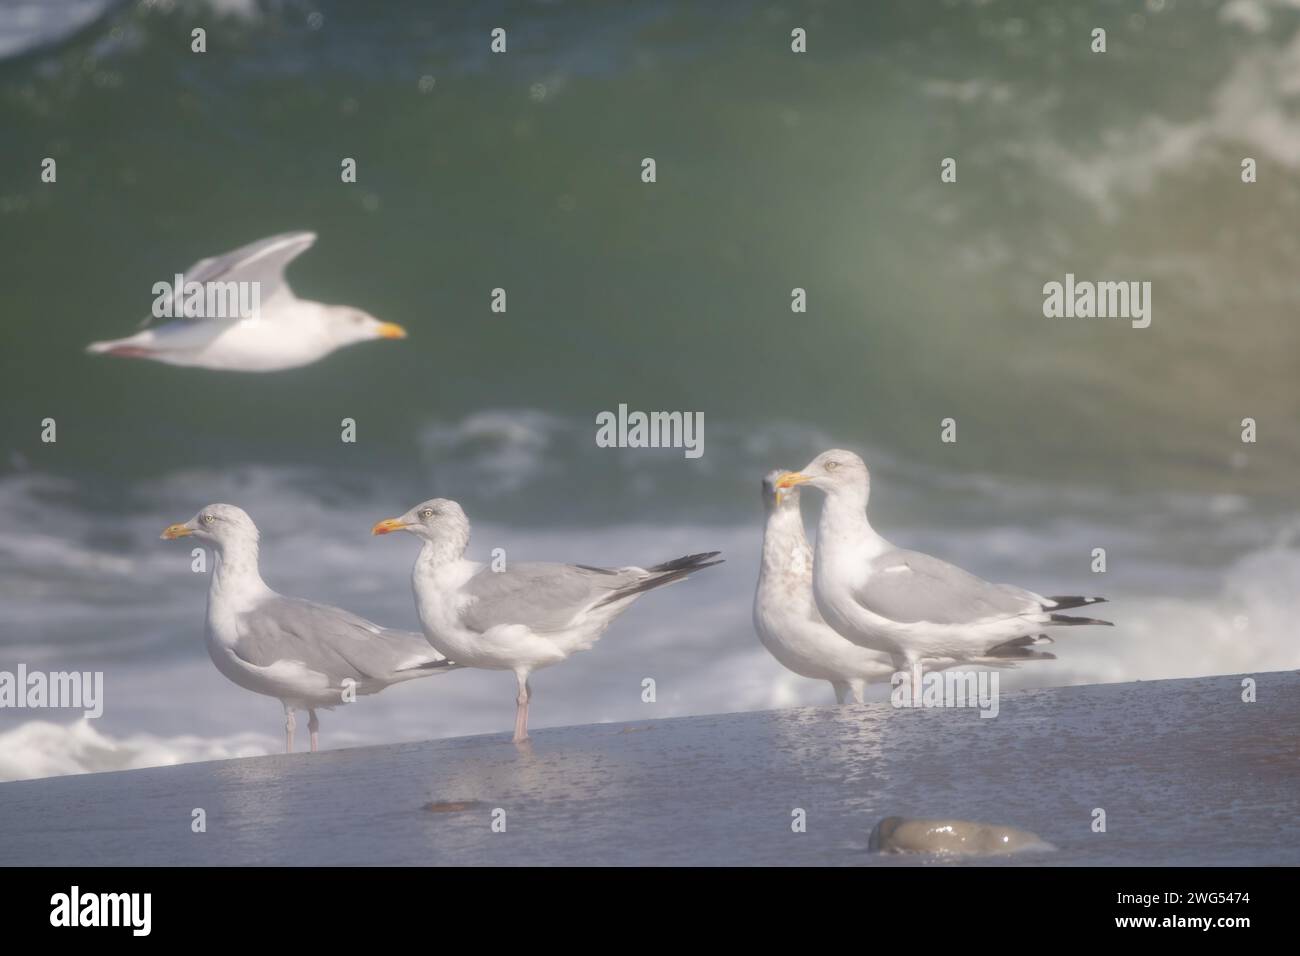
(1185, 771)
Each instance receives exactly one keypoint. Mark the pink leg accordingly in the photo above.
(288, 730)
(521, 709)
(314, 726)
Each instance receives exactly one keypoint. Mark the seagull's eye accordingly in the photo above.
(832, 465)
(208, 519)
(426, 513)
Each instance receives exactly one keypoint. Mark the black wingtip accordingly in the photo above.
(1021, 648)
(1069, 619)
(1063, 602)
(1019, 654)
(435, 665)
(667, 573)
(690, 561)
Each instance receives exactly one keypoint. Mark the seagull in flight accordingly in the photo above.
(283, 332)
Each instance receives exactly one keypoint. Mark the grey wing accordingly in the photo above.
(263, 262)
(542, 596)
(328, 640)
(909, 586)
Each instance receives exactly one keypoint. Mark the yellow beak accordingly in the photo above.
(790, 479)
(388, 526)
(391, 330)
(173, 531)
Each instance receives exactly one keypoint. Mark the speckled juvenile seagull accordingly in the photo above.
(785, 614)
(286, 333)
(525, 617)
(305, 654)
(907, 604)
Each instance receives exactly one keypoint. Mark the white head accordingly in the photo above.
(221, 525)
(439, 521)
(835, 472)
(346, 326)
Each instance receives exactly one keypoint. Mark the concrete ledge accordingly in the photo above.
(1186, 772)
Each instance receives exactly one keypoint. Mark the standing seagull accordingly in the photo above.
(529, 616)
(306, 654)
(285, 332)
(910, 605)
(785, 614)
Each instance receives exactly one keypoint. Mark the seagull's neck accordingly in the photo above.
(844, 522)
(236, 577)
(784, 541)
(438, 554)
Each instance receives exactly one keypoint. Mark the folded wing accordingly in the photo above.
(541, 596)
(909, 586)
(331, 641)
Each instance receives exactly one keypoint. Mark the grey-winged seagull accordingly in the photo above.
(910, 605)
(524, 617)
(785, 614)
(307, 655)
(287, 331)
